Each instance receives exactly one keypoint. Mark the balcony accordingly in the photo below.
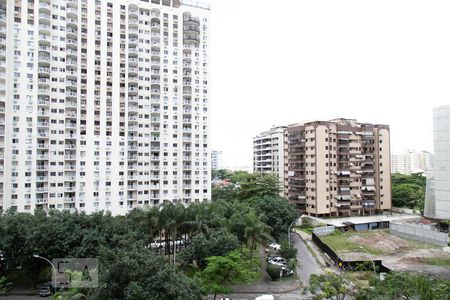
(42, 167)
(72, 22)
(41, 189)
(70, 146)
(44, 17)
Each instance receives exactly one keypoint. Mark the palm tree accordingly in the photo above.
(153, 223)
(172, 218)
(255, 231)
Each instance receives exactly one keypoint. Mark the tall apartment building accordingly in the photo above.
(338, 168)
(268, 153)
(216, 160)
(437, 200)
(103, 104)
(411, 161)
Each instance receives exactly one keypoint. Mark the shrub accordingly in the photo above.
(287, 251)
(273, 271)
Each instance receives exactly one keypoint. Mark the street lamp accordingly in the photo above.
(371, 258)
(53, 267)
(289, 233)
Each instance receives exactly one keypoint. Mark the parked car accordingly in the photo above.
(279, 261)
(286, 272)
(46, 290)
(265, 297)
(274, 246)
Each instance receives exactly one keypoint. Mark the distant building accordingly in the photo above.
(216, 160)
(437, 199)
(338, 168)
(268, 153)
(411, 161)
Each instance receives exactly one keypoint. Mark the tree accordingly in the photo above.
(277, 213)
(328, 286)
(218, 243)
(221, 174)
(255, 231)
(4, 285)
(408, 190)
(138, 273)
(406, 286)
(258, 185)
(287, 251)
(222, 271)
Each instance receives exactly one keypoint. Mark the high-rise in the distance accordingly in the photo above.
(216, 160)
(103, 104)
(411, 161)
(268, 153)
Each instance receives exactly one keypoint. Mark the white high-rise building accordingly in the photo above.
(216, 160)
(268, 153)
(103, 104)
(411, 161)
(437, 199)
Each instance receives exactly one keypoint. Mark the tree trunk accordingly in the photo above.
(251, 253)
(215, 295)
(174, 246)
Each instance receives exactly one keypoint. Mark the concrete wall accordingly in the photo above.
(419, 232)
(406, 211)
(326, 230)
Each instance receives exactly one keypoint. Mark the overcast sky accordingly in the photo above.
(280, 62)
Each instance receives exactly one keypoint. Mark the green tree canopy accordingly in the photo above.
(222, 271)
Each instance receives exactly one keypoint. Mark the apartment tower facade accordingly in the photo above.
(437, 199)
(338, 168)
(103, 104)
(268, 153)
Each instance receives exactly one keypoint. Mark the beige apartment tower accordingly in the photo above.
(338, 168)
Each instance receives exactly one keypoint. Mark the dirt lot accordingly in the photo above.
(396, 253)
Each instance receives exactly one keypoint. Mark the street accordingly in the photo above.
(306, 264)
(296, 295)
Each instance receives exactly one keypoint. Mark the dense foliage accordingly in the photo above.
(145, 254)
(408, 190)
(405, 286)
(395, 286)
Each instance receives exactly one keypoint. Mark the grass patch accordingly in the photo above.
(437, 261)
(308, 229)
(340, 242)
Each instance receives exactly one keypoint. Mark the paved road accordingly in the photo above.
(296, 295)
(306, 264)
(22, 297)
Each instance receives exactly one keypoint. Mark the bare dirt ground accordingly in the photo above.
(400, 254)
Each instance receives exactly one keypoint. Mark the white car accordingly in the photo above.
(274, 246)
(265, 297)
(279, 261)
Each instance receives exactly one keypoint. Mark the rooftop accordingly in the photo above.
(196, 4)
(342, 222)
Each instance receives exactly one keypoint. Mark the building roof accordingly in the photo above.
(342, 222)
